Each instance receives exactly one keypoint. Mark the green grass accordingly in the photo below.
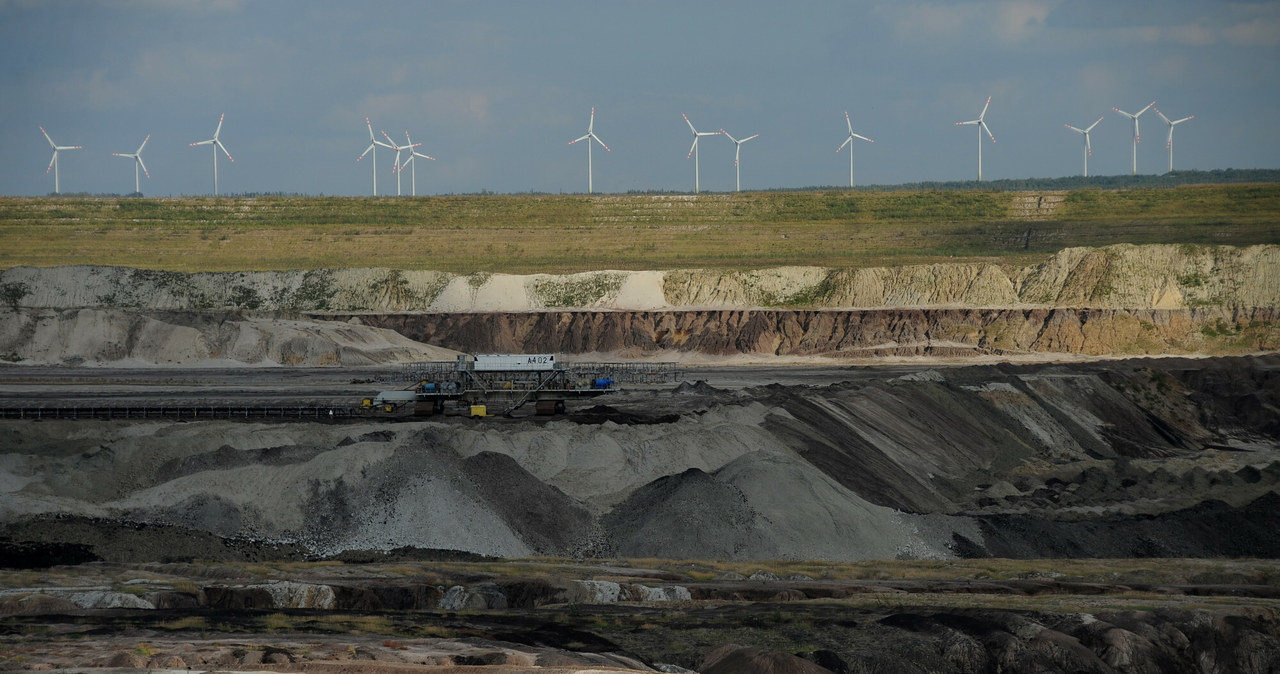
(572, 233)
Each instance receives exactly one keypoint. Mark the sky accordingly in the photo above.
(495, 90)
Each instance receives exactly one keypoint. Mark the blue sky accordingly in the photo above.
(495, 90)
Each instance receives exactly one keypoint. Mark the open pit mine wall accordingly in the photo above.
(855, 334)
(1115, 277)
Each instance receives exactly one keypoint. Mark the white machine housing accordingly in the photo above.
(525, 362)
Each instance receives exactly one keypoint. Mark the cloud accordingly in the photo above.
(1022, 19)
(1260, 32)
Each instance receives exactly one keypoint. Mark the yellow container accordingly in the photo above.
(479, 411)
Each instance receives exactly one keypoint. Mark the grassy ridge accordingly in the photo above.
(547, 233)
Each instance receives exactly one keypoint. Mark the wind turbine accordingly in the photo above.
(693, 150)
(217, 144)
(847, 141)
(1135, 117)
(1171, 125)
(137, 162)
(53, 163)
(373, 147)
(395, 166)
(737, 150)
(590, 136)
(1088, 149)
(413, 171)
(982, 125)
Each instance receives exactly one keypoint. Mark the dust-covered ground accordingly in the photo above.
(1140, 495)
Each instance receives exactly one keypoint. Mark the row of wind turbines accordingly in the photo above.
(981, 123)
(411, 147)
(136, 156)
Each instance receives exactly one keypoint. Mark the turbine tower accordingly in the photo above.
(395, 165)
(590, 136)
(413, 171)
(1088, 149)
(137, 162)
(217, 145)
(848, 141)
(373, 147)
(693, 150)
(1135, 117)
(1171, 125)
(737, 151)
(982, 125)
(53, 163)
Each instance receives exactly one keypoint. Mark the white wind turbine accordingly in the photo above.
(693, 150)
(1088, 149)
(413, 171)
(53, 163)
(217, 145)
(982, 126)
(395, 166)
(137, 162)
(590, 136)
(1171, 125)
(849, 141)
(737, 151)
(1135, 117)
(373, 147)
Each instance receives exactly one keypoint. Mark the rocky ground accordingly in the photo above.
(971, 424)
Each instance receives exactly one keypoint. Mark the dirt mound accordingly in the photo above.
(116, 336)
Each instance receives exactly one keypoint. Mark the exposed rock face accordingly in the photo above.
(849, 333)
(1120, 276)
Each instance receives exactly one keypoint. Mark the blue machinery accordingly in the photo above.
(502, 383)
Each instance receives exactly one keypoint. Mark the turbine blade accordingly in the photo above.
(846, 142)
(592, 122)
(203, 142)
(1179, 121)
(1169, 143)
(370, 125)
(749, 138)
(863, 138)
(144, 167)
(727, 134)
(984, 108)
(1094, 124)
(848, 122)
(1122, 112)
(686, 121)
(219, 129)
(1074, 128)
(578, 139)
(986, 128)
(46, 137)
(367, 150)
(691, 148)
(51, 161)
(1166, 119)
(1087, 146)
(1149, 106)
(393, 143)
(419, 154)
(224, 150)
(606, 147)
(144, 143)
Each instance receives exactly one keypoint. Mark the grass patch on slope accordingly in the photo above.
(573, 233)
